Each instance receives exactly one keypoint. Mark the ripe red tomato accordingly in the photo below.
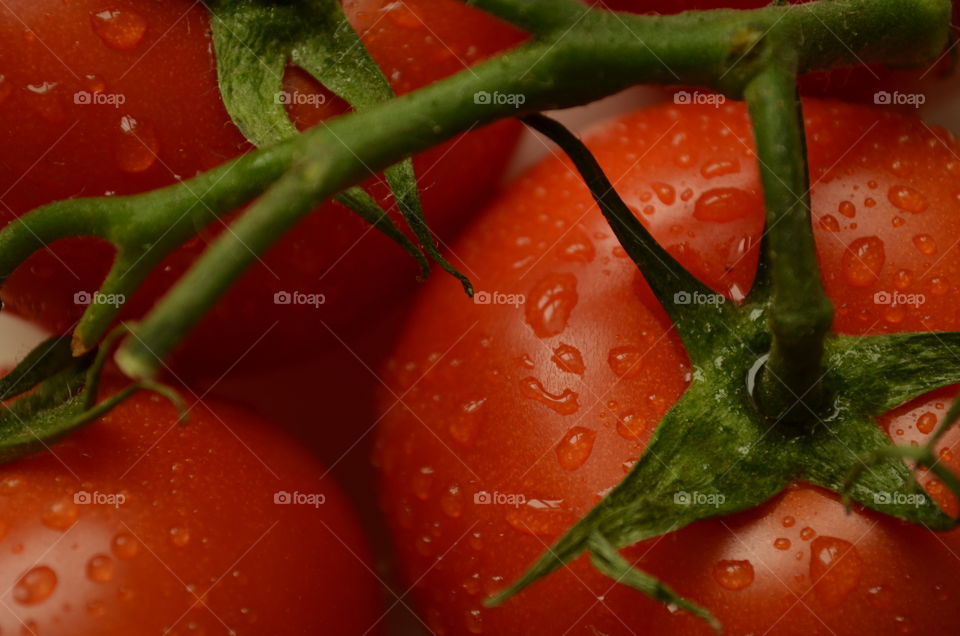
(136, 525)
(513, 421)
(156, 57)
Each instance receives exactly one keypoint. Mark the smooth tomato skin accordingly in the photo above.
(52, 148)
(472, 416)
(198, 520)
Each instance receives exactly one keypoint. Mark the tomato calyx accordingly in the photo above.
(717, 452)
(254, 42)
(56, 393)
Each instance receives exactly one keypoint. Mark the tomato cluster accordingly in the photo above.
(499, 422)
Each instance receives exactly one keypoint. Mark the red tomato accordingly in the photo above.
(508, 423)
(136, 525)
(171, 124)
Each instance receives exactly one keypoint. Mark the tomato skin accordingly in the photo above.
(52, 148)
(472, 417)
(198, 512)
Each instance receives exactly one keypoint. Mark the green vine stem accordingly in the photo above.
(143, 228)
(801, 314)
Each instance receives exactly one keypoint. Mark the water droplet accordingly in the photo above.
(550, 303)
(424, 545)
(829, 223)
(880, 597)
(625, 360)
(96, 608)
(665, 193)
(902, 279)
(563, 403)
(100, 569)
(568, 358)
(575, 447)
(938, 287)
(465, 427)
(863, 260)
(422, 481)
(722, 205)
(474, 622)
(835, 569)
(926, 423)
(578, 247)
(45, 100)
(179, 536)
(538, 517)
(925, 243)
(125, 546)
(137, 146)
(403, 16)
(35, 586)
(121, 30)
(720, 168)
(451, 502)
(807, 533)
(898, 221)
(61, 514)
(10, 484)
(870, 202)
(907, 199)
(782, 543)
(94, 83)
(847, 209)
(631, 426)
(733, 575)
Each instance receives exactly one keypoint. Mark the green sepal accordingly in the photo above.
(255, 40)
(878, 373)
(604, 557)
(680, 293)
(887, 486)
(63, 396)
(45, 360)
